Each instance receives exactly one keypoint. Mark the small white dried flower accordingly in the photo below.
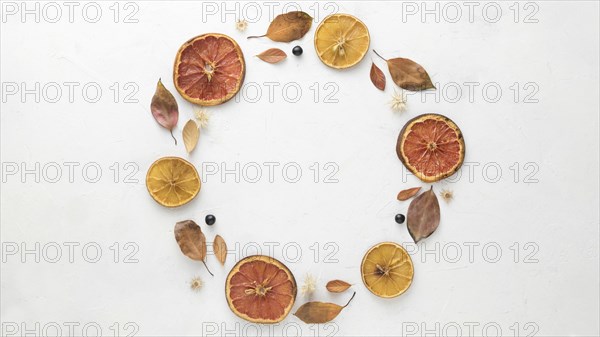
(202, 116)
(398, 102)
(196, 283)
(309, 286)
(447, 195)
(241, 25)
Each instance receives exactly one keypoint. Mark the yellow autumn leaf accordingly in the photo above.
(191, 133)
(220, 249)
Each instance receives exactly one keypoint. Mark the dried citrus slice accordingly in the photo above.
(387, 270)
(341, 41)
(260, 289)
(209, 69)
(172, 181)
(431, 146)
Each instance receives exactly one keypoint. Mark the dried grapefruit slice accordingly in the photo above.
(172, 181)
(260, 289)
(209, 69)
(431, 146)
(387, 270)
(341, 41)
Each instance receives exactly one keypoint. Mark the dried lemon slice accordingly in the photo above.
(172, 181)
(387, 270)
(341, 41)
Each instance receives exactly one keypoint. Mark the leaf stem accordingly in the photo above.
(211, 274)
(350, 300)
(376, 53)
(173, 137)
(256, 36)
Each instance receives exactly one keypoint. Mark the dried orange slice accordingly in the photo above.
(387, 270)
(260, 289)
(431, 146)
(209, 69)
(172, 181)
(341, 41)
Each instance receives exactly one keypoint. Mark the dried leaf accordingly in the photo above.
(408, 193)
(220, 249)
(164, 108)
(191, 133)
(288, 27)
(377, 77)
(423, 216)
(319, 312)
(338, 286)
(273, 55)
(408, 74)
(191, 240)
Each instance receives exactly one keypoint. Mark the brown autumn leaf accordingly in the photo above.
(408, 193)
(191, 133)
(273, 55)
(288, 27)
(408, 74)
(338, 286)
(164, 108)
(191, 240)
(377, 77)
(220, 249)
(423, 216)
(319, 312)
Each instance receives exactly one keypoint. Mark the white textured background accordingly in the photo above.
(549, 219)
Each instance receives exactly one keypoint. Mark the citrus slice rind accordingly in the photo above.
(209, 69)
(172, 181)
(341, 41)
(387, 270)
(260, 289)
(431, 146)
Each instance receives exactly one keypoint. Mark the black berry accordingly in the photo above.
(400, 218)
(297, 51)
(210, 219)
